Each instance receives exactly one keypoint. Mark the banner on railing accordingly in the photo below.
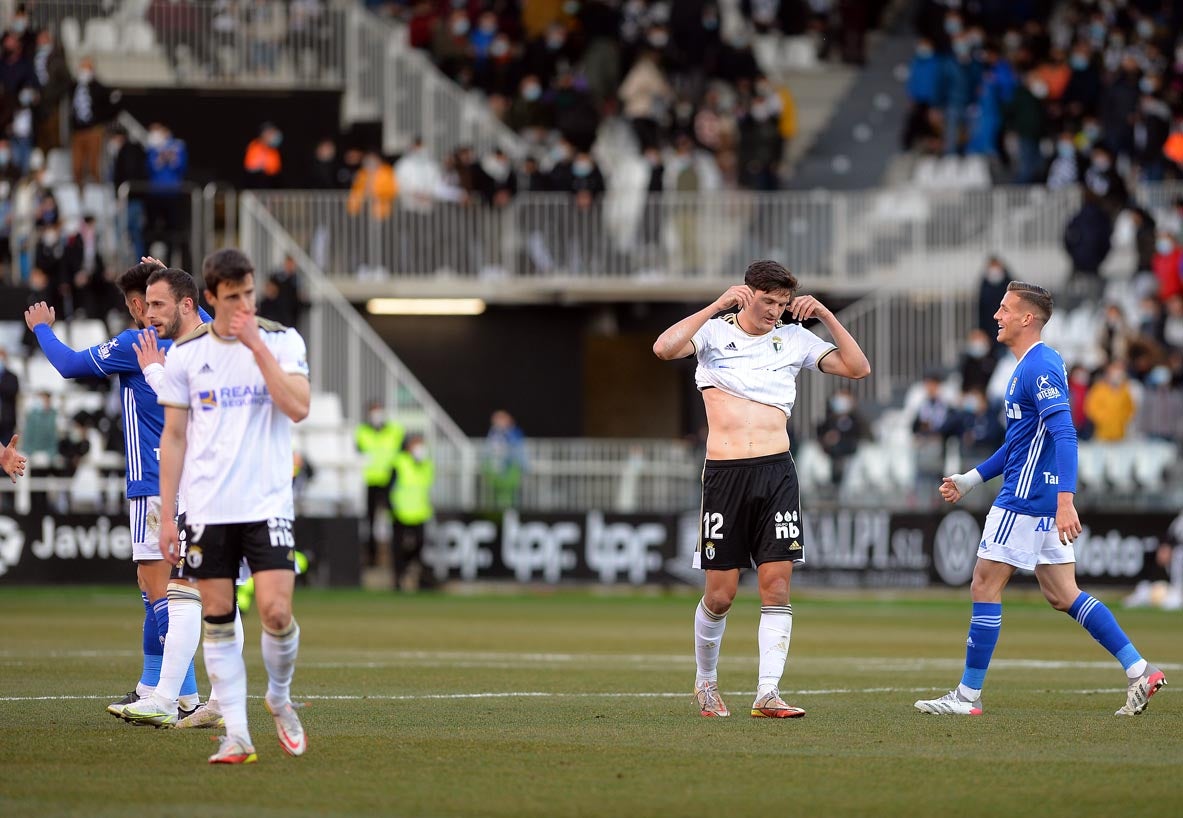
(845, 548)
(96, 549)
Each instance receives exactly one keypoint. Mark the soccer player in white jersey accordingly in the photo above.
(1033, 521)
(171, 312)
(231, 391)
(751, 507)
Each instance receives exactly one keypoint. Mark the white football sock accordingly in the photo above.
(227, 673)
(184, 634)
(708, 637)
(279, 657)
(239, 639)
(776, 628)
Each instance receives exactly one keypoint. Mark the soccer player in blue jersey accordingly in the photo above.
(1033, 521)
(143, 421)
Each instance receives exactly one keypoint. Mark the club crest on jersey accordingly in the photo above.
(208, 400)
(1046, 391)
(105, 349)
(777, 343)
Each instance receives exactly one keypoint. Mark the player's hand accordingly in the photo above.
(39, 313)
(150, 260)
(804, 307)
(949, 491)
(147, 351)
(13, 461)
(170, 542)
(1067, 521)
(740, 295)
(245, 328)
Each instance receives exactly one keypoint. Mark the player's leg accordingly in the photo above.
(991, 575)
(152, 643)
(213, 554)
(773, 635)
(271, 553)
(1058, 583)
(710, 621)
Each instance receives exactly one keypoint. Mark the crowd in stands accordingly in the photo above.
(554, 71)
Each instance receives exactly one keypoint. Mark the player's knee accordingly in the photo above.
(774, 591)
(275, 614)
(1059, 600)
(718, 602)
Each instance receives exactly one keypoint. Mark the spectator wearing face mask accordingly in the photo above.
(991, 289)
(450, 46)
(840, 432)
(92, 107)
(262, 162)
(53, 77)
(530, 114)
(1067, 167)
(1084, 84)
(1167, 263)
(1109, 404)
(410, 500)
(646, 97)
(1025, 117)
(977, 362)
(1079, 381)
(1152, 126)
(977, 426)
(926, 92)
(959, 79)
(375, 186)
(1160, 417)
(23, 127)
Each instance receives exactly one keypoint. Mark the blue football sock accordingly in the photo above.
(189, 686)
(984, 625)
(1098, 620)
(153, 647)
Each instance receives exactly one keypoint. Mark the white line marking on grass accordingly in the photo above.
(540, 694)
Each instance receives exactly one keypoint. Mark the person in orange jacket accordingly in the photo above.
(262, 162)
(375, 185)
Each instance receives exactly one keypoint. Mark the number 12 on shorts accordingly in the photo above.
(712, 525)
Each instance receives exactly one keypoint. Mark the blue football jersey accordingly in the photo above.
(143, 417)
(1038, 389)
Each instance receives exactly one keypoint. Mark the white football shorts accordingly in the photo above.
(1023, 541)
(145, 529)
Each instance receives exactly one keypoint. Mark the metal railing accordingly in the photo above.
(852, 242)
(152, 43)
(349, 359)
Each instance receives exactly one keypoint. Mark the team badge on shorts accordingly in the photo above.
(153, 521)
(710, 550)
(193, 557)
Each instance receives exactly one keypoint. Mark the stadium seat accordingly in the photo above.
(814, 468)
(88, 333)
(139, 37)
(11, 335)
(76, 400)
(59, 168)
(98, 201)
(1090, 465)
(70, 35)
(1153, 459)
(69, 203)
(100, 35)
(1120, 458)
(324, 411)
(40, 376)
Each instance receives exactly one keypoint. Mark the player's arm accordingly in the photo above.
(848, 360)
(68, 362)
(1059, 426)
(151, 359)
(675, 342)
(956, 486)
(290, 391)
(172, 460)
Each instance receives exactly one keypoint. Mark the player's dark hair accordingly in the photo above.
(180, 283)
(134, 281)
(225, 265)
(770, 277)
(1036, 297)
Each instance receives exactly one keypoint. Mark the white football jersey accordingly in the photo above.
(761, 368)
(238, 460)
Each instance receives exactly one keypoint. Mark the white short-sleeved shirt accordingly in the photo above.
(761, 368)
(238, 460)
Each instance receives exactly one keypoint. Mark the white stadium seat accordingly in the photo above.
(1153, 459)
(1119, 465)
(88, 333)
(1090, 468)
(139, 37)
(100, 35)
(324, 411)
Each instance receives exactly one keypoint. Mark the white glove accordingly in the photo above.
(967, 482)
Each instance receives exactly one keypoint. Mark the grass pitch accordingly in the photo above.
(573, 704)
